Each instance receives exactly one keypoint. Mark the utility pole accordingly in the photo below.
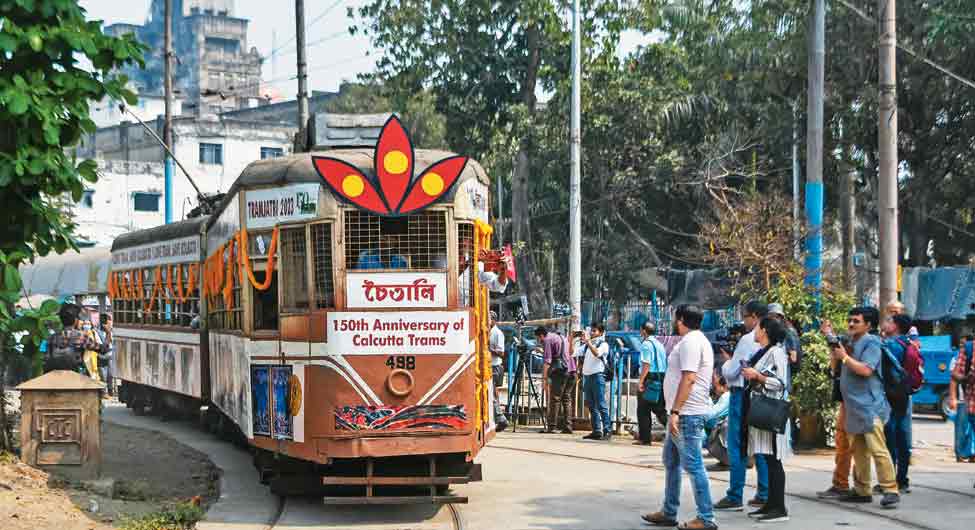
(814, 149)
(168, 127)
(575, 171)
(888, 150)
(301, 144)
(795, 180)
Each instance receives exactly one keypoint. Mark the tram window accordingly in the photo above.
(265, 303)
(465, 253)
(294, 270)
(223, 317)
(321, 237)
(411, 242)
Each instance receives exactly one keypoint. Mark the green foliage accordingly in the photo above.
(812, 389)
(45, 91)
(178, 517)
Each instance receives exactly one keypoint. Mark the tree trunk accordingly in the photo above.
(529, 278)
(848, 223)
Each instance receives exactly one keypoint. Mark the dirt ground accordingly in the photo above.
(150, 470)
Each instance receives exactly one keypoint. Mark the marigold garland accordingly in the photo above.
(168, 291)
(141, 289)
(246, 262)
(228, 288)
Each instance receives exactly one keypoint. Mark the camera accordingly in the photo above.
(577, 333)
(837, 340)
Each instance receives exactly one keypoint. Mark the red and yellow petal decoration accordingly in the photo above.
(349, 183)
(393, 159)
(433, 184)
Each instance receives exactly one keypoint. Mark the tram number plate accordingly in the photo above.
(407, 362)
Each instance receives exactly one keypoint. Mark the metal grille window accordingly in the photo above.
(271, 152)
(294, 270)
(232, 317)
(321, 237)
(413, 242)
(465, 254)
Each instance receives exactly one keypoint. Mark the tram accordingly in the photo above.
(330, 312)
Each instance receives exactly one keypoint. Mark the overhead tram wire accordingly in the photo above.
(281, 79)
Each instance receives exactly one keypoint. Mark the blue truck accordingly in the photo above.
(937, 354)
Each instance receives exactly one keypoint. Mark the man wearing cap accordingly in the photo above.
(496, 347)
(747, 346)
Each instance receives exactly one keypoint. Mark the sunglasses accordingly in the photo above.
(854, 321)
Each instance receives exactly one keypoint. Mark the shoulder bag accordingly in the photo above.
(768, 413)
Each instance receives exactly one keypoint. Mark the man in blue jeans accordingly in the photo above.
(687, 386)
(754, 311)
(897, 431)
(594, 382)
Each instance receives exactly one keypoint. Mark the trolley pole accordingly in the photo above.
(888, 150)
(575, 170)
(814, 150)
(168, 126)
(301, 145)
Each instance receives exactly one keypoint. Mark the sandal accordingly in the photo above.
(698, 524)
(659, 519)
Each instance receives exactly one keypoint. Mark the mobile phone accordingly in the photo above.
(577, 333)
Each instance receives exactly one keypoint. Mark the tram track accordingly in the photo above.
(888, 516)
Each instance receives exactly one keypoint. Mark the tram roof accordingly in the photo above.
(298, 168)
(185, 228)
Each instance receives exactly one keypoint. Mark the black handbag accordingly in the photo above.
(768, 413)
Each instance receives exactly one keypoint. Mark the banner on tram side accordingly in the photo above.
(387, 333)
(182, 250)
(265, 208)
(395, 290)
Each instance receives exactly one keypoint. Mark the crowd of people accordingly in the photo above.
(81, 346)
(736, 404)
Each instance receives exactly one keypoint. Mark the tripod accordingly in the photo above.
(514, 400)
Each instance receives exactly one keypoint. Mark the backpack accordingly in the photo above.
(913, 365)
(795, 367)
(62, 355)
(609, 362)
(896, 382)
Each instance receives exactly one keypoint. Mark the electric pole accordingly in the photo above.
(814, 149)
(301, 144)
(575, 170)
(888, 150)
(168, 126)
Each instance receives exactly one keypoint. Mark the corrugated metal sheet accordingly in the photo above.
(68, 274)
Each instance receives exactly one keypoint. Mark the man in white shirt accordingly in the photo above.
(733, 500)
(594, 382)
(496, 347)
(687, 393)
(496, 282)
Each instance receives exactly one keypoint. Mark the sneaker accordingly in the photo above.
(593, 436)
(566, 431)
(501, 426)
(698, 524)
(904, 489)
(877, 490)
(606, 436)
(758, 513)
(774, 516)
(755, 502)
(717, 466)
(890, 501)
(856, 498)
(728, 505)
(832, 493)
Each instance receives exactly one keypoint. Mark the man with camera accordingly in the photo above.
(733, 500)
(867, 410)
(596, 352)
(558, 377)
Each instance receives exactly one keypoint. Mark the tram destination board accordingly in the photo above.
(418, 332)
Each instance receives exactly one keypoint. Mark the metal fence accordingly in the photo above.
(630, 316)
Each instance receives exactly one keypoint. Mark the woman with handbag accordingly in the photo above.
(768, 413)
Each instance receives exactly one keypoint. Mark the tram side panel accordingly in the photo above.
(167, 360)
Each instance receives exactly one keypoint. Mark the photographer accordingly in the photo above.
(594, 382)
(558, 376)
(843, 461)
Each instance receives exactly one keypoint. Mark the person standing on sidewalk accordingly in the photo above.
(653, 363)
(898, 430)
(496, 347)
(843, 461)
(690, 367)
(963, 380)
(770, 377)
(594, 382)
(867, 410)
(558, 376)
(754, 311)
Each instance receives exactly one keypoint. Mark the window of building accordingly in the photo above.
(294, 270)
(145, 202)
(321, 238)
(87, 199)
(271, 152)
(412, 242)
(211, 153)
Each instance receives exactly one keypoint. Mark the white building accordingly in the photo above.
(107, 113)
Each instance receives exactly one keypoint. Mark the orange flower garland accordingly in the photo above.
(246, 262)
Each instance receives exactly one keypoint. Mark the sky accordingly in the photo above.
(334, 56)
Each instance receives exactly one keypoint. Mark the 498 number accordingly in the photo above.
(405, 362)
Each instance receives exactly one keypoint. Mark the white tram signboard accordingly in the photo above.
(267, 207)
(388, 333)
(399, 290)
(182, 250)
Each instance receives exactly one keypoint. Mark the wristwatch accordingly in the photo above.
(675, 413)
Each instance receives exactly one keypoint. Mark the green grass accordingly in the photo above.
(178, 517)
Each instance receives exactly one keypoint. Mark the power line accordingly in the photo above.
(312, 23)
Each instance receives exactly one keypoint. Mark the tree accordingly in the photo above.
(45, 90)
(425, 125)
